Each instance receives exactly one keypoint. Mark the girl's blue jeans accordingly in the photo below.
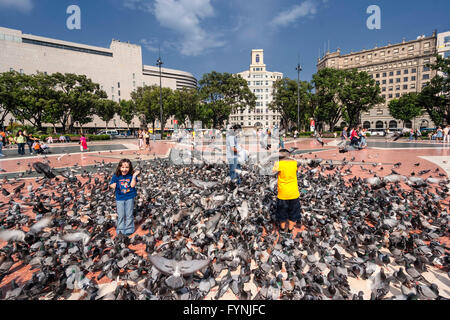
(125, 218)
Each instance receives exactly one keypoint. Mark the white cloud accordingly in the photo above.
(306, 8)
(184, 17)
(21, 5)
(150, 45)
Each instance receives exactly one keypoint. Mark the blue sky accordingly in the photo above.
(200, 36)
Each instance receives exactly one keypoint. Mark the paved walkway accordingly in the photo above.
(431, 156)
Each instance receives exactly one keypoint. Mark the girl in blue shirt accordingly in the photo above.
(124, 183)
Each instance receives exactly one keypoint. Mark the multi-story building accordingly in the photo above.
(117, 69)
(260, 82)
(397, 68)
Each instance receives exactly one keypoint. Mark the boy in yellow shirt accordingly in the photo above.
(288, 200)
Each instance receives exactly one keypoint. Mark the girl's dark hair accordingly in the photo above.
(18, 133)
(119, 173)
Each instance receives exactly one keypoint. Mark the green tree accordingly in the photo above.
(188, 106)
(223, 93)
(328, 106)
(127, 111)
(360, 93)
(12, 86)
(435, 97)
(147, 100)
(147, 104)
(285, 101)
(106, 110)
(78, 99)
(37, 97)
(406, 108)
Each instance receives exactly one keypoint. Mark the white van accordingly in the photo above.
(108, 132)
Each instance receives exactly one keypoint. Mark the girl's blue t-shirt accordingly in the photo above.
(124, 191)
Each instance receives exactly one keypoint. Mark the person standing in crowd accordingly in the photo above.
(2, 142)
(147, 139)
(83, 143)
(30, 140)
(344, 134)
(417, 134)
(446, 133)
(21, 140)
(439, 134)
(362, 137)
(288, 199)
(354, 138)
(141, 139)
(282, 141)
(295, 134)
(232, 146)
(312, 125)
(124, 184)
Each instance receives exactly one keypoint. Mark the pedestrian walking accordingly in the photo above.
(83, 143)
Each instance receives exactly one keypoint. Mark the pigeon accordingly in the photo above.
(43, 168)
(177, 269)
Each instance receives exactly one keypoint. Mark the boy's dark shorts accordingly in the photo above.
(288, 210)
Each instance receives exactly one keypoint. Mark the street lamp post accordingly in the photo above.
(299, 69)
(159, 63)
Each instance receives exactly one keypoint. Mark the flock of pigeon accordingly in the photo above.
(202, 236)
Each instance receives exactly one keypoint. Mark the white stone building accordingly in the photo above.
(260, 82)
(118, 69)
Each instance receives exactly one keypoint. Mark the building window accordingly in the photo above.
(383, 89)
(405, 79)
(384, 82)
(405, 71)
(395, 50)
(391, 73)
(379, 112)
(399, 72)
(397, 80)
(391, 88)
(392, 124)
(391, 80)
(118, 85)
(410, 48)
(413, 70)
(378, 75)
(412, 86)
(384, 74)
(134, 83)
(405, 87)
(397, 95)
(382, 53)
(425, 69)
(257, 58)
(112, 89)
(119, 93)
(426, 77)
(426, 45)
(390, 96)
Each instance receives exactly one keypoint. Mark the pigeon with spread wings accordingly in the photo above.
(177, 269)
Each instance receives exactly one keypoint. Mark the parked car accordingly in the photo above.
(112, 133)
(377, 132)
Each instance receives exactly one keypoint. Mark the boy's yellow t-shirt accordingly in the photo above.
(287, 179)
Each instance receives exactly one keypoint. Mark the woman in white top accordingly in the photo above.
(446, 133)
